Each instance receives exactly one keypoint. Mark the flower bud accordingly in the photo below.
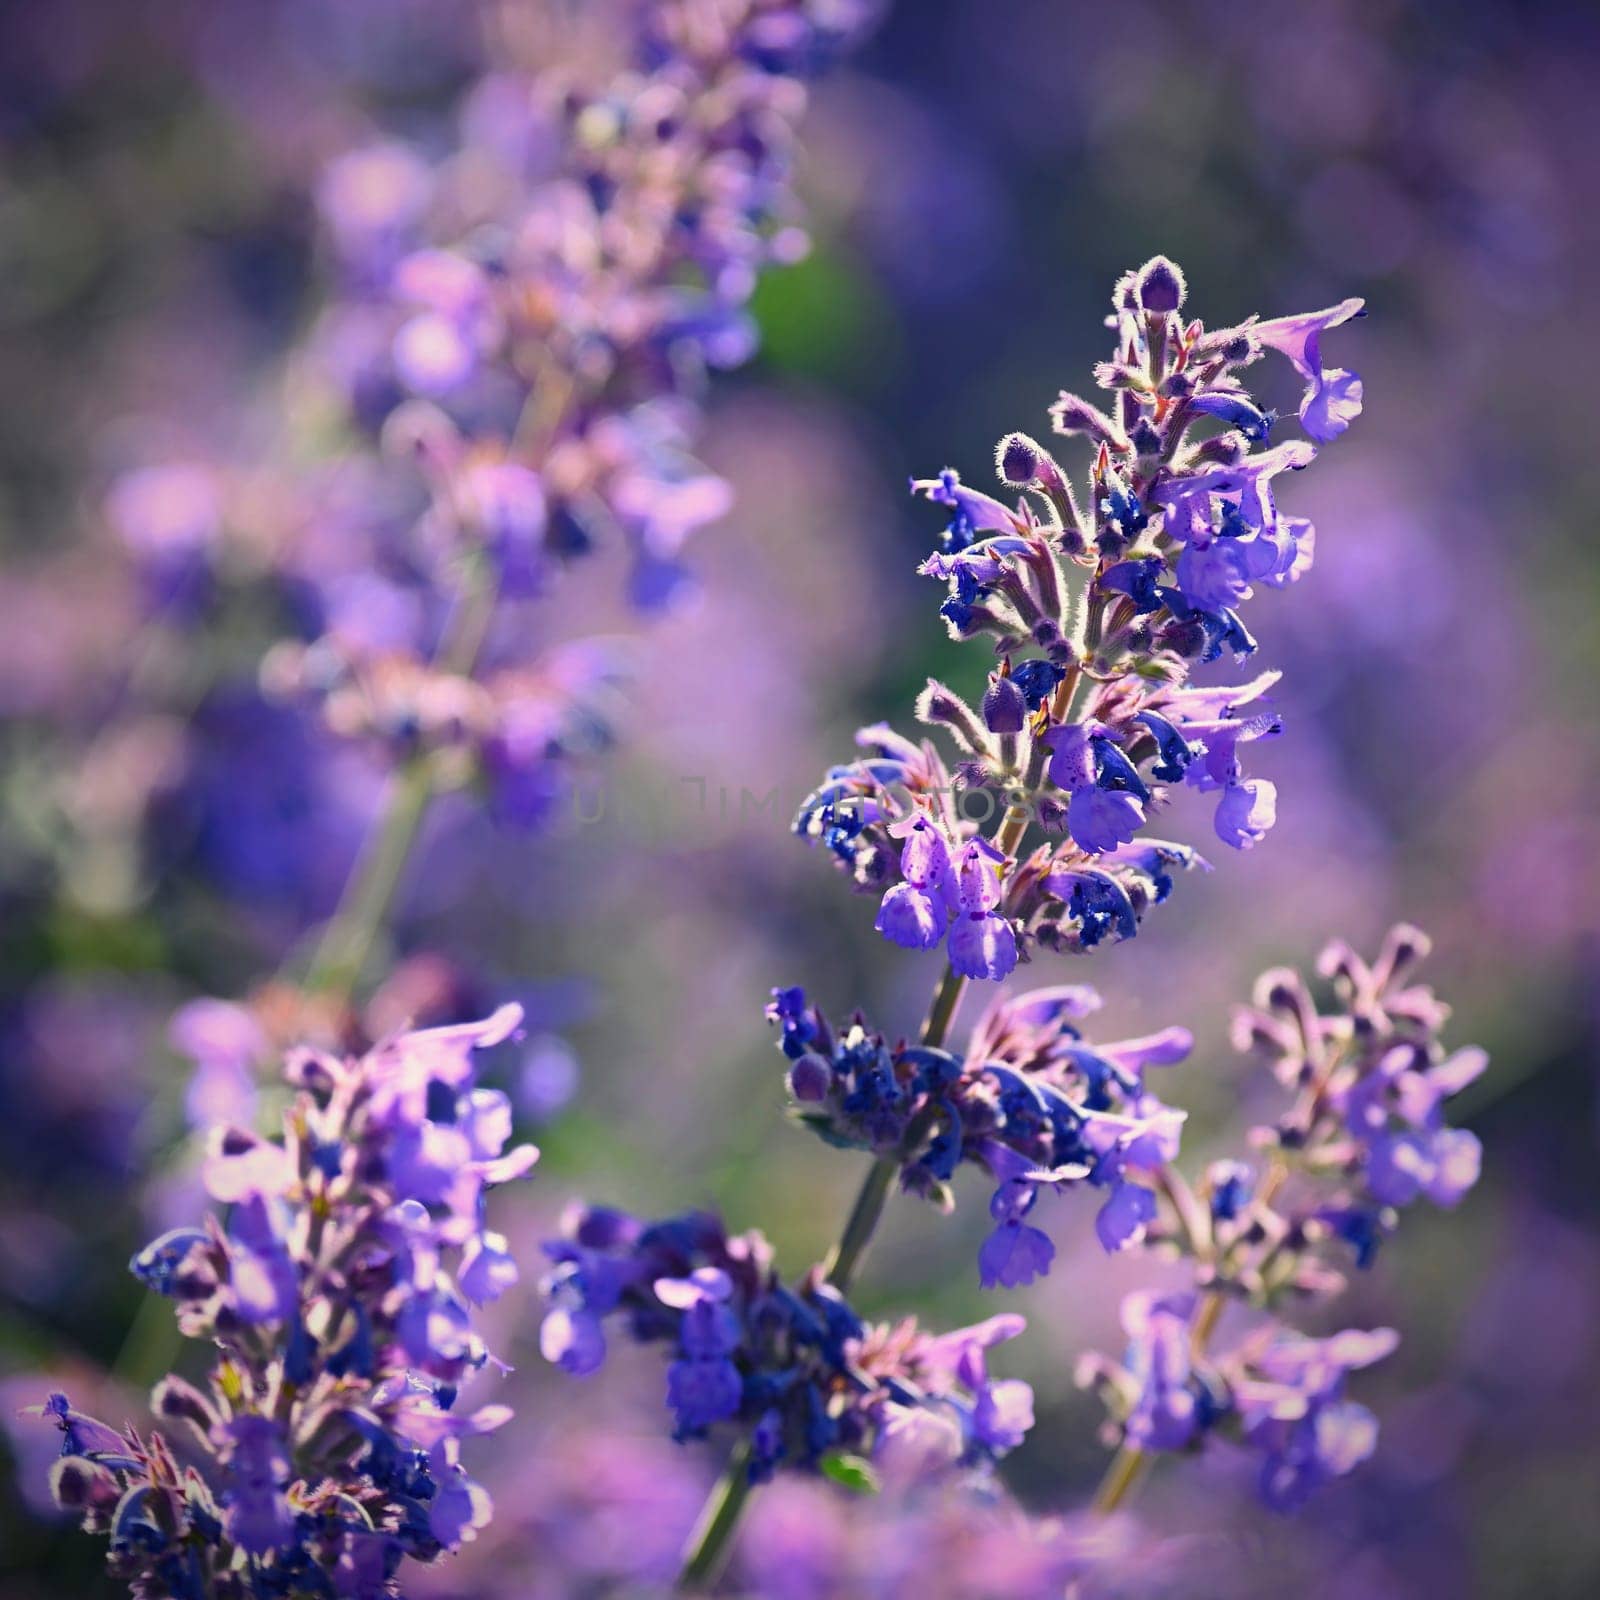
(810, 1078)
(175, 1399)
(1161, 285)
(79, 1484)
(1018, 459)
(1004, 707)
(940, 706)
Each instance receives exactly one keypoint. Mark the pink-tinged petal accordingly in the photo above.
(512, 1165)
(1246, 812)
(239, 1164)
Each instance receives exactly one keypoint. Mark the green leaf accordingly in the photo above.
(851, 1472)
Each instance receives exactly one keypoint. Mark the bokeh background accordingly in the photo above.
(977, 176)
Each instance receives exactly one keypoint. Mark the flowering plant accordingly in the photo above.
(519, 380)
(339, 1298)
(1100, 610)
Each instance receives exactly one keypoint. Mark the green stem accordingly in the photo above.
(711, 1540)
(368, 897)
(347, 944)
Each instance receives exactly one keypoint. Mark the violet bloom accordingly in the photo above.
(1121, 1221)
(1015, 1253)
(971, 512)
(794, 1366)
(258, 1518)
(1397, 1112)
(1165, 1414)
(1332, 400)
(1246, 812)
(338, 1299)
(1104, 810)
(704, 1386)
(995, 1415)
(1292, 1408)
(460, 1508)
(1219, 724)
(914, 914)
(982, 943)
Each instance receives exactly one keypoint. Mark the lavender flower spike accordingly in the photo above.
(1363, 1136)
(327, 1438)
(1101, 599)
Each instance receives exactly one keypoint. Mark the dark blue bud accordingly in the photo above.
(1036, 680)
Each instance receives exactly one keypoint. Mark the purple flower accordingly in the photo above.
(240, 1165)
(914, 914)
(972, 513)
(1121, 1221)
(82, 1435)
(573, 1339)
(1106, 804)
(258, 1517)
(460, 1508)
(995, 1416)
(1015, 1253)
(1442, 1163)
(1332, 400)
(1246, 812)
(1292, 1408)
(911, 918)
(1102, 819)
(1236, 411)
(982, 943)
(264, 1283)
(1165, 1415)
(702, 1391)
(488, 1268)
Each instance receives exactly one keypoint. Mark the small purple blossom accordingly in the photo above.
(1333, 396)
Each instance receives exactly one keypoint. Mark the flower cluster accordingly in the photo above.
(1099, 610)
(1365, 1134)
(339, 1295)
(1032, 1104)
(513, 361)
(810, 1383)
(897, 811)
